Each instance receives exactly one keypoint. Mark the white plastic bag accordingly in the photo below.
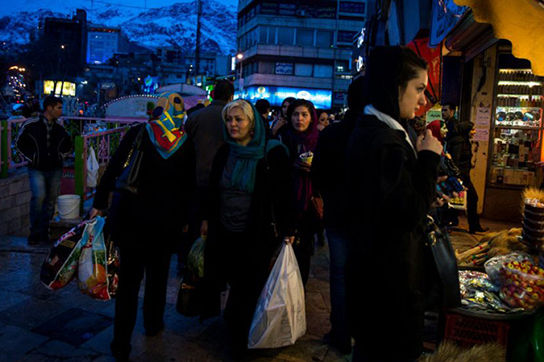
(280, 316)
(92, 168)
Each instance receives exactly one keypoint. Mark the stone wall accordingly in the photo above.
(15, 204)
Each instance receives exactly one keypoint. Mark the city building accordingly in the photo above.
(65, 45)
(104, 42)
(301, 49)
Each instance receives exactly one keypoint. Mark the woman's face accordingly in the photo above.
(284, 107)
(413, 96)
(301, 119)
(324, 119)
(238, 126)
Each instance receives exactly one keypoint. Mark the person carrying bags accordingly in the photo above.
(248, 213)
(148, 213)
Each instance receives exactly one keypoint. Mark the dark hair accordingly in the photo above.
(410, 65)
(320, 112)
(358, 94)
(262, 106)
(286, 100)
(304, 103)
(451, 106)
(223, 90)
(389, 70)
(51, 101)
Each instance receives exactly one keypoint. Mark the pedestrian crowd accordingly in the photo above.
(250, 178)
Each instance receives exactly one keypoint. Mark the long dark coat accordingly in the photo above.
(390, 194)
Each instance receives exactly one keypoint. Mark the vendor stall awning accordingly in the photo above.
(520, 21)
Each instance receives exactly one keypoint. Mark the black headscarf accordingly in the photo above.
(383, 72)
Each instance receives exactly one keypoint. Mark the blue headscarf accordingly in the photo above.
(247, 157)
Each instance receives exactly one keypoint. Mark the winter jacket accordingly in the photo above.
(329, 171)
(390, 193)
(45, 147)
(458, 144)
(205, 127)
(271, 202)
(165, 188)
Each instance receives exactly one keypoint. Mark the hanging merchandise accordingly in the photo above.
(280, 316)
(92, 168)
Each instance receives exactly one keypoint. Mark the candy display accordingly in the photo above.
(533, 218)
(522, 284)
(478, 292)
(494, 265)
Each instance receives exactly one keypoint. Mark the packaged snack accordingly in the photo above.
(522, 284)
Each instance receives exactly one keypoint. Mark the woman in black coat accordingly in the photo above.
(392, 183)
(247, 215)
(148, 225)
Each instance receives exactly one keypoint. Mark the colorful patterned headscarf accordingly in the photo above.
(165, 128)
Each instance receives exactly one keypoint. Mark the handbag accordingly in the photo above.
(189, 296)
(128, 180)
(446, 281)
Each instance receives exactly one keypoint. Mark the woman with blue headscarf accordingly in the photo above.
(148, 225)
(248, 213)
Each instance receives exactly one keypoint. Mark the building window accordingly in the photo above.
(284, 68)
(305, 37)
(287, 9)
(303, 70)
(322, 71)
(345, 36)
(266, 67)
(286, 36)
(323, 39)
(342, 66)
(269, 8)
(352, 7)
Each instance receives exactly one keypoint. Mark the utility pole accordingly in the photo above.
(197, 50)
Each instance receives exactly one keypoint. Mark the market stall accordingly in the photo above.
(502, 287)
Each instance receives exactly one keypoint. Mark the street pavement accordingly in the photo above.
(37, 324)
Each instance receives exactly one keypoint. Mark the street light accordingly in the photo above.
(240, 56)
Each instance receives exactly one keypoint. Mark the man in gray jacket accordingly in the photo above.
(205, 127)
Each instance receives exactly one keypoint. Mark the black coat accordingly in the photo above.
(44, 151)
(390, 194)
(165, 190)
(458, 144)
(329, 171)
(271, 195)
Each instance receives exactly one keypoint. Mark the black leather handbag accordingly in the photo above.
(441, 252)
(128, 180)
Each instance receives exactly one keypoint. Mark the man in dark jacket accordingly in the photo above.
(44, 143)
(205, 127)
(328, 177)
(458, 145)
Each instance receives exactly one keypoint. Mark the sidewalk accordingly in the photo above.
(41, 325)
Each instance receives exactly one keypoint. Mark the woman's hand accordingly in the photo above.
(428, 142)
(302, 166)
(289, 239)
(204, 228)
(281, 121)
(95, 212)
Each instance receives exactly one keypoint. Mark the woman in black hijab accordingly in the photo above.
(392, 184)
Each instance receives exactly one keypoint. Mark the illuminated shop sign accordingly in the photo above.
(275, 95)
(59, 88)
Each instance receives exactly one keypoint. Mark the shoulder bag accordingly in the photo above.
(128, 180)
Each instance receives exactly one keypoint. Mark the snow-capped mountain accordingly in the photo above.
(150, 23)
